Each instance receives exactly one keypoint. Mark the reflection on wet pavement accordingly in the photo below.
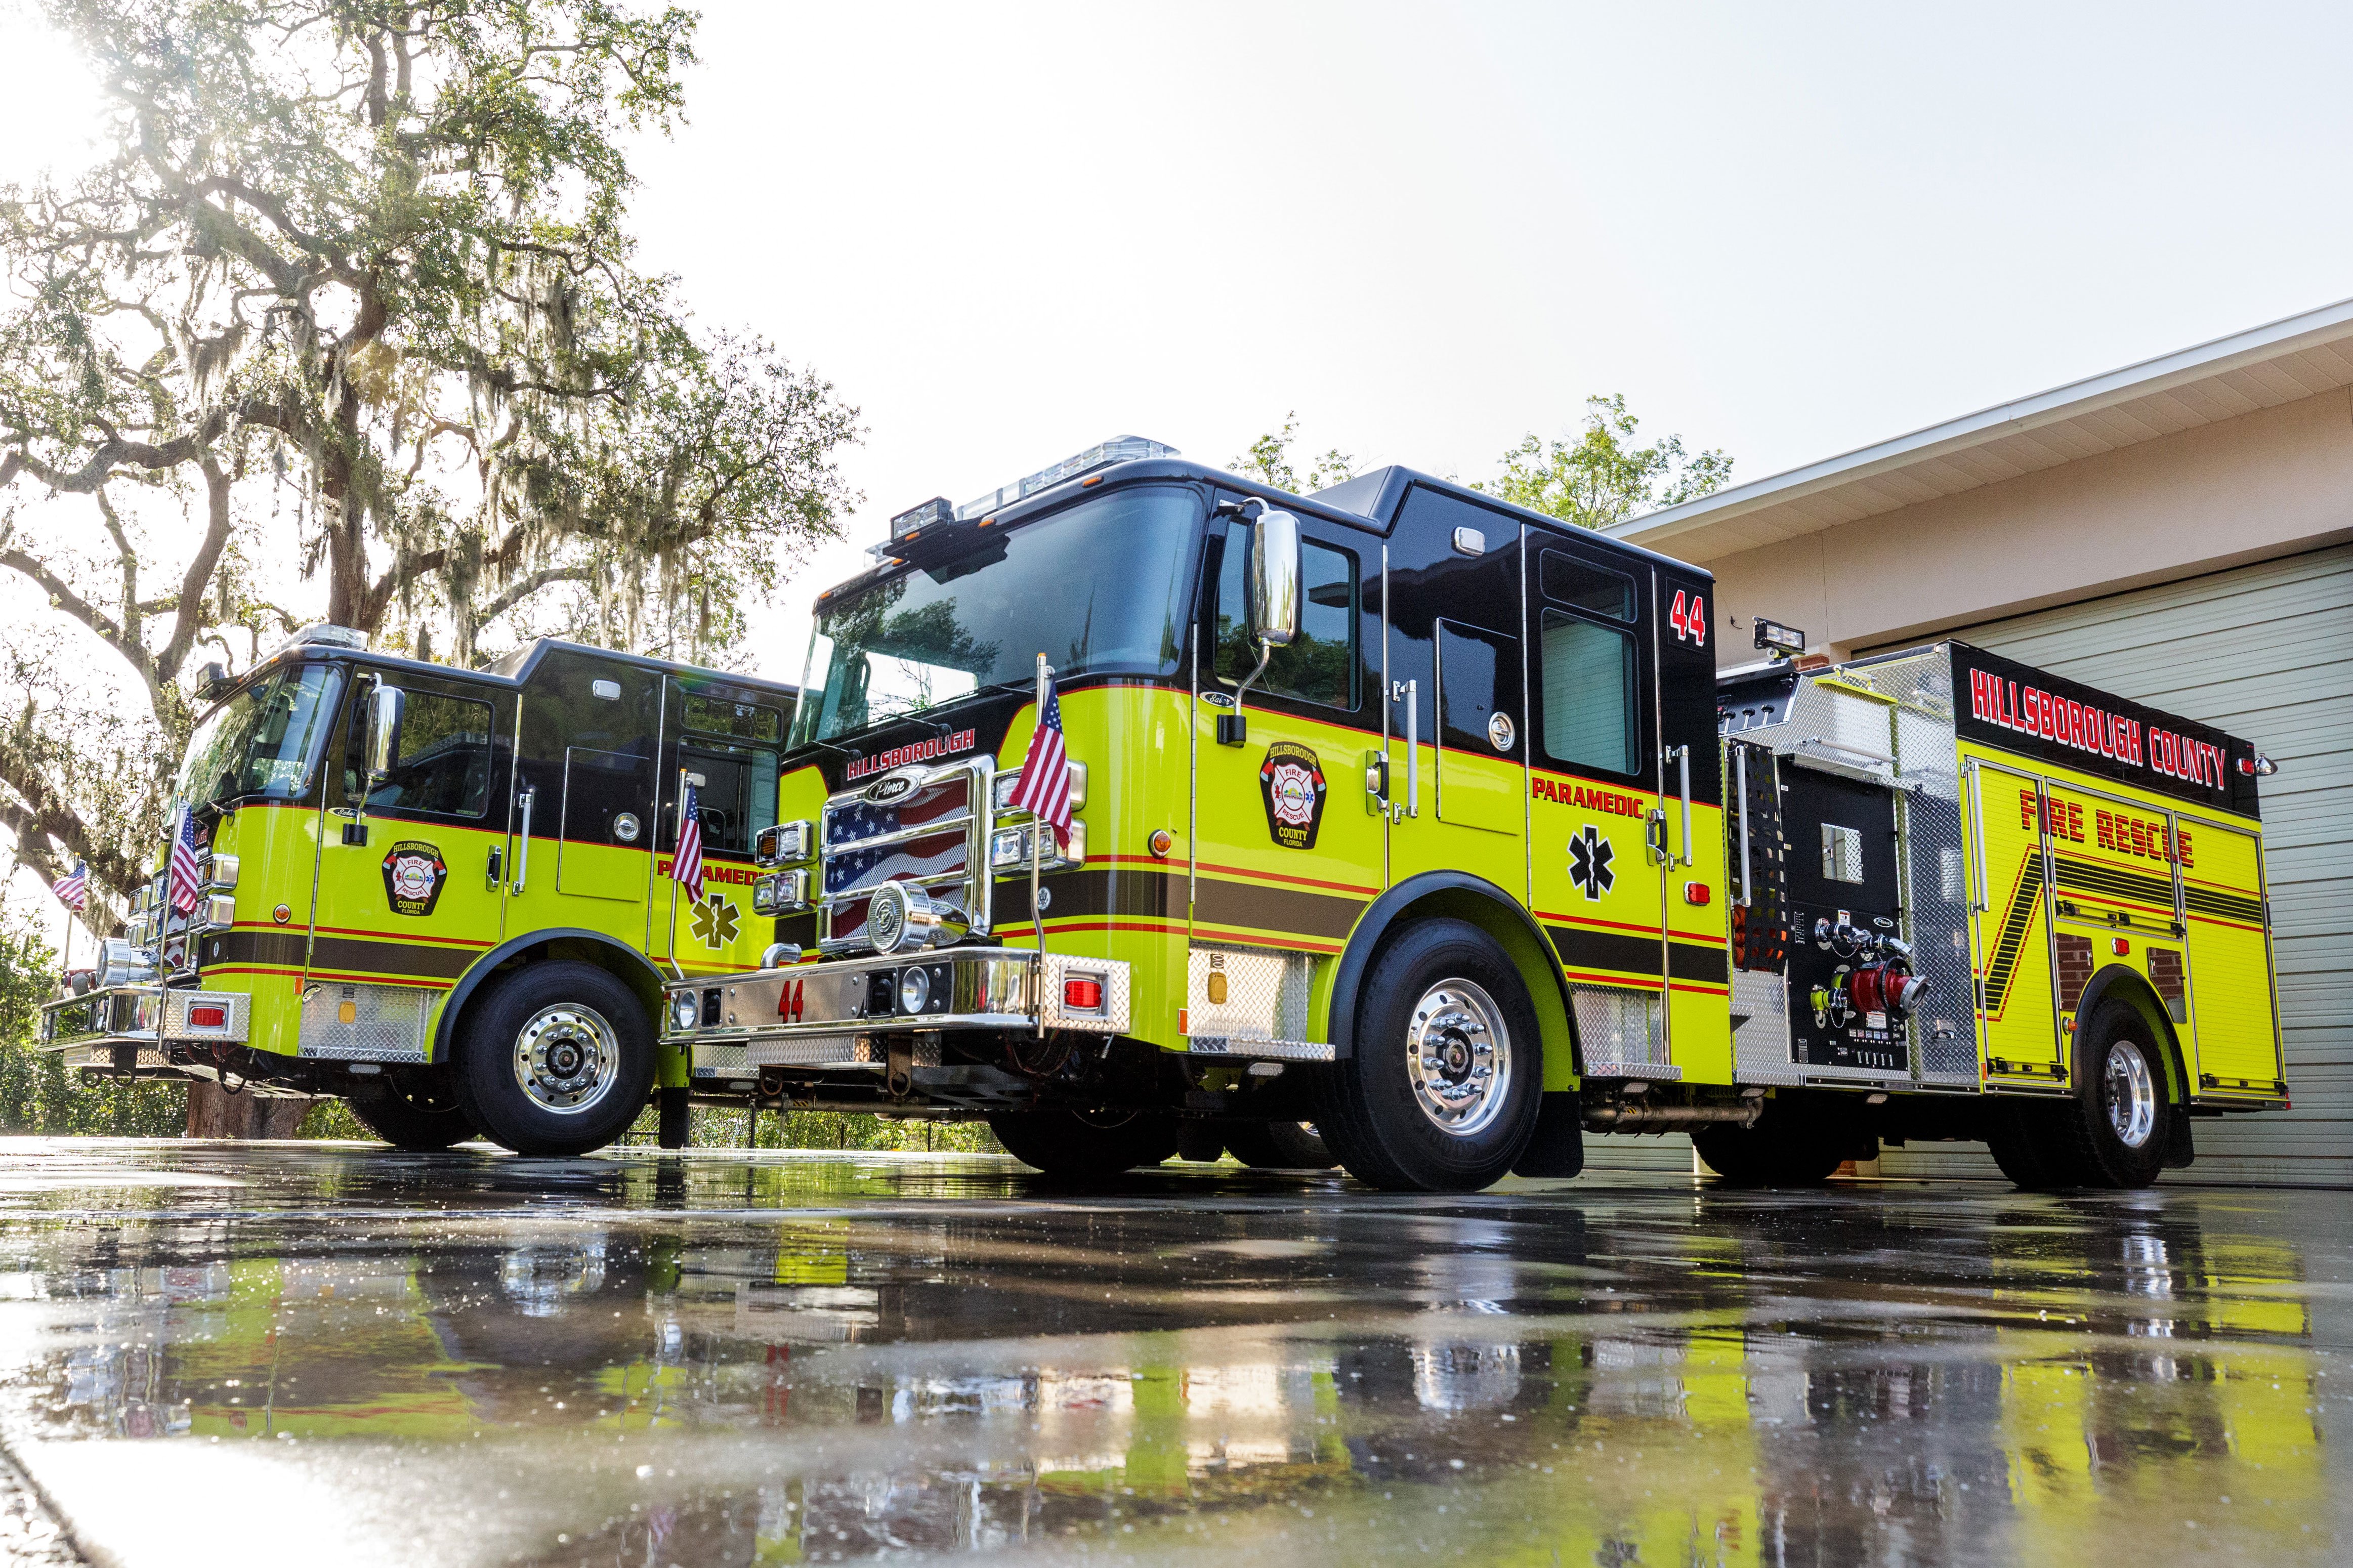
(344, 1354)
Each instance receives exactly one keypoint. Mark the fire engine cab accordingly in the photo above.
(1417, 832)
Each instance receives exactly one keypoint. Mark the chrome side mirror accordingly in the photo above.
(381, 746)
(1274, 573)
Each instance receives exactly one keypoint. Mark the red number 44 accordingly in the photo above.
(1689, 617)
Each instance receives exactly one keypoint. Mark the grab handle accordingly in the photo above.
(1980, 899)
(1683, 760)
(523, 846)
(1411, 694)
(1740, 782)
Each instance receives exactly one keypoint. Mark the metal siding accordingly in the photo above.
(2265, 652)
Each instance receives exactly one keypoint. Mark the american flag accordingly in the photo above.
(1045, 788)
(686, 866)
(182, 884)
(73, 888)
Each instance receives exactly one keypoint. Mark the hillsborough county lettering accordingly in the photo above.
(916, 752)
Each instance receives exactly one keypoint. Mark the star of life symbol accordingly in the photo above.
(1588, 862)
(715, 922)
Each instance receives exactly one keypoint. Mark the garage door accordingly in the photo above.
(2265, 652)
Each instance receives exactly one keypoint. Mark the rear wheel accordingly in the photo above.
(1794, 1143)
(2023, 1136)
(414, 1109)
(2112, 1133)
(1278, 1145)
(1086, 1143)
(1443, 1089)
(558, 1060)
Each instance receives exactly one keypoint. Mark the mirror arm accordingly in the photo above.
(1233, 730)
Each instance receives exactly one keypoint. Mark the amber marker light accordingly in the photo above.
(1160, 843)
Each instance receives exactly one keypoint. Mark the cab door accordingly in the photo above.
(724, 741)
(408, 890)
(1691, 837)
(1286, 851)
(1458, 772)
(1598, 840)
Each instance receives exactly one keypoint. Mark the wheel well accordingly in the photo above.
(1458, 896)
(624, 964)
(2126, 987)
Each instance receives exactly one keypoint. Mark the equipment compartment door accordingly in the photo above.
(408, 895)
(2233, 1000)
(1286, 853)
(2017, 1010)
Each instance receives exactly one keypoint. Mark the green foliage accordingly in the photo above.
(1269, 460)
(38, 1093)
(1602, 477)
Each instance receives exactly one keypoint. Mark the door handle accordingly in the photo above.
(523, 846)
(1683, 760)
(1409, 693)
(498, 857)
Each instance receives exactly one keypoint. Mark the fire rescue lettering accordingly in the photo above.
(2030, 710)
(2112, 829)
(915, 752)
(1608, 802)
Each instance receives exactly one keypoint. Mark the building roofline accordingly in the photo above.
(2201, 361)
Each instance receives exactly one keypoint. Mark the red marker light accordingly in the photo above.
(1082, 993)
(1695, 893)
(2119, 946)
(207, 1018)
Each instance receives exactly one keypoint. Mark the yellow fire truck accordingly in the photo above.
(1411, 831)
(443, 893)
(1426, 821)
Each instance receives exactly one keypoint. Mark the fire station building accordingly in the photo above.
(2179, 532)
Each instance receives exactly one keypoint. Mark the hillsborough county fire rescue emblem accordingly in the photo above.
(1292, 781)
(413, 874)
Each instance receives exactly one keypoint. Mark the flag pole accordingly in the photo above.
(1037, 853)
(676, 843)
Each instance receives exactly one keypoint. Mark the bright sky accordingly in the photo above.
(1009, 231)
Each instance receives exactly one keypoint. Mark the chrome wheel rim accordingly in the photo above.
(566, 1058)
(2131, 1095)
(1458, 1057)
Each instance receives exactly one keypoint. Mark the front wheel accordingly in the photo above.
(558, 1060)
(1441, 1092)
(1084, 1144)
(414, 1109)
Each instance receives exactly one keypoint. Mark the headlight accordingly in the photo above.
(222, 871)
(684, 1009)
(1008, 847)
(914, 990)
(220, 911)
(780, 893)
(784, 843)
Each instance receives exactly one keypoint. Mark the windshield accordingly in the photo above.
(1096, 589)
(264, 741)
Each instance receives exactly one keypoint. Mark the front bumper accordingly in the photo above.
(147, 1014)
(849, 1014)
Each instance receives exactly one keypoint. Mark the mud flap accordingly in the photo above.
(2178, 1150)
(1557, 1146)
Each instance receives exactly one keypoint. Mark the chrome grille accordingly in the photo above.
(935, 835)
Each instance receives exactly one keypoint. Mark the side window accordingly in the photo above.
(1320, 664)
(1475, 669)
(737, 799)
(444, 767)
(1569, 581)
(1592, 717)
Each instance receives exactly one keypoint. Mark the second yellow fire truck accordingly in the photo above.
(1411, 831)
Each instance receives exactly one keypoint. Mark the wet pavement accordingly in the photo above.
(331, 1353)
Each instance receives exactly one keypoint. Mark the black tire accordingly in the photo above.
(1441, 985)
(1084, 1144)
(1763, 1156)
(2023, 1136)
(676, 1118)
(566, 1006)
(1278, 1146)
(2112, 1133)
(414, 1109)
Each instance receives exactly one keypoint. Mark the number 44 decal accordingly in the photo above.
(1689, 617)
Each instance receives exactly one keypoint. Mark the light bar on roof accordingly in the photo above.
(935, 510)
(1118, 450)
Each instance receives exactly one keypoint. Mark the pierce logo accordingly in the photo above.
(1290, 780)
(895, 786)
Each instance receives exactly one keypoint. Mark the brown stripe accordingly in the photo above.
(1582, 949)
(1251, 906)
(1687, 961)
(349, 956)
(283, 949)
